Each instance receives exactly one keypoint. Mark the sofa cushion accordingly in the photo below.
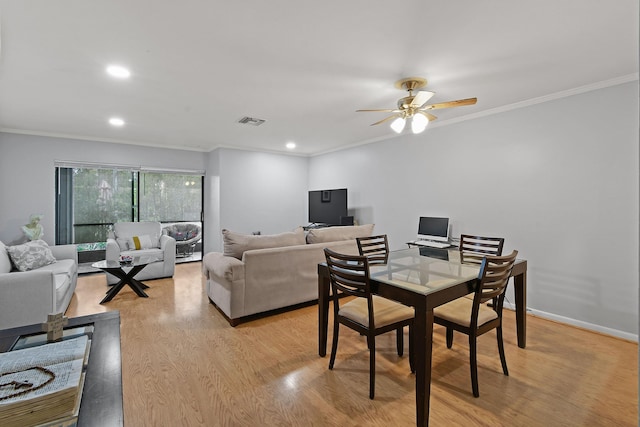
(235, 244)
(62, 266)
(157, 253)
(334, 234)
(5, 262)
(31, 255)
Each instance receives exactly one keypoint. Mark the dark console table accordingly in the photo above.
(101, 404)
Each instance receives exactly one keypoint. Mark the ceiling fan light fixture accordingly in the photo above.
(398, 124)
(419, 123)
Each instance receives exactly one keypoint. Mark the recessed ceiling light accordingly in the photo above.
(291, 145)
(118, 71)
(116, 121)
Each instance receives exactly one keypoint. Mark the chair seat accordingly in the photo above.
(155, 252)
(386, 311)
(459, 312)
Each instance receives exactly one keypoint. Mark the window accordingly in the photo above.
(91, 199)
(170, 197)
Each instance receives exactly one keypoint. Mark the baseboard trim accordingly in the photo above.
(239, 320)
(580, 324)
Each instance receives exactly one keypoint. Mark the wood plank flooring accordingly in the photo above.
(183, 365)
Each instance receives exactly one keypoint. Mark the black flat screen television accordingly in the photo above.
(327, 206)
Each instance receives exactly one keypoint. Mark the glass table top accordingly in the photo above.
(139, 260)
(424, 270)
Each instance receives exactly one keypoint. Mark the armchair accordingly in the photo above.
(150, 241)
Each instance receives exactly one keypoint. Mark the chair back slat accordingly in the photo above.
(348, 273)
(494, 276)
(474, 248)
(375, 248)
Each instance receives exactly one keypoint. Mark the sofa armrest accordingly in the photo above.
(225, 267)
(65, 252)
(112, 252)
(26, 297)
(168, 246)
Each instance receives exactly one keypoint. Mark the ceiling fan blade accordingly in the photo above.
(430, 116)
(385, 119)
(421, 98)
(384, 111)
(450, 104)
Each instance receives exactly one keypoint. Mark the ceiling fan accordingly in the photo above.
(414, 106)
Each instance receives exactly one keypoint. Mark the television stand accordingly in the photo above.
(315, 225)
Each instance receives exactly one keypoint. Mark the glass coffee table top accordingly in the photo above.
(139, 260)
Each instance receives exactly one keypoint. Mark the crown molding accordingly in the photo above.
(94, 139)
(541, 99)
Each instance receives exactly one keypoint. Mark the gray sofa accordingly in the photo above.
(27, 297)
(257, 274)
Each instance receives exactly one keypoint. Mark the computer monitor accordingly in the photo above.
(433, 228)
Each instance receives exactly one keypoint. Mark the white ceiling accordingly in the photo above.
(199, 66)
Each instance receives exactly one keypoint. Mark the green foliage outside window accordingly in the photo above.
(102, 197)
(170, 197)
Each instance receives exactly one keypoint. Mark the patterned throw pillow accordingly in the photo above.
(31, 255)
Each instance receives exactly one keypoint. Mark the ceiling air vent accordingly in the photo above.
(246, 120)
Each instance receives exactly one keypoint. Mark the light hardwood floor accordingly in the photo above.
(183, 365)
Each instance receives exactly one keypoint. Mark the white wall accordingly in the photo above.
(27, 173)
(259, 192)
(211, 231)
(558, 180)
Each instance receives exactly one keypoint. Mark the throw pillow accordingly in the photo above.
(334, 234)
(31, 255)
(122, 243)
(235, 244)
(139, 242)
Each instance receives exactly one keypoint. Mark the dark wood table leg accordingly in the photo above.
(125, 279)
(520, 291)
(323, 312)
(423, 328)
(113, 291)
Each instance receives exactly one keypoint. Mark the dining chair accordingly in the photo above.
(472, 317)
(368, 314)
(474, 248)
(375, 248)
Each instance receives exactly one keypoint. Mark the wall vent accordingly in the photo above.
(246, 120)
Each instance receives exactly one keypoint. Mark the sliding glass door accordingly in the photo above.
(176, 201)
(170, 197)
(89, 200)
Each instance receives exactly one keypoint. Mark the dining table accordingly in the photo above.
(423, 278)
